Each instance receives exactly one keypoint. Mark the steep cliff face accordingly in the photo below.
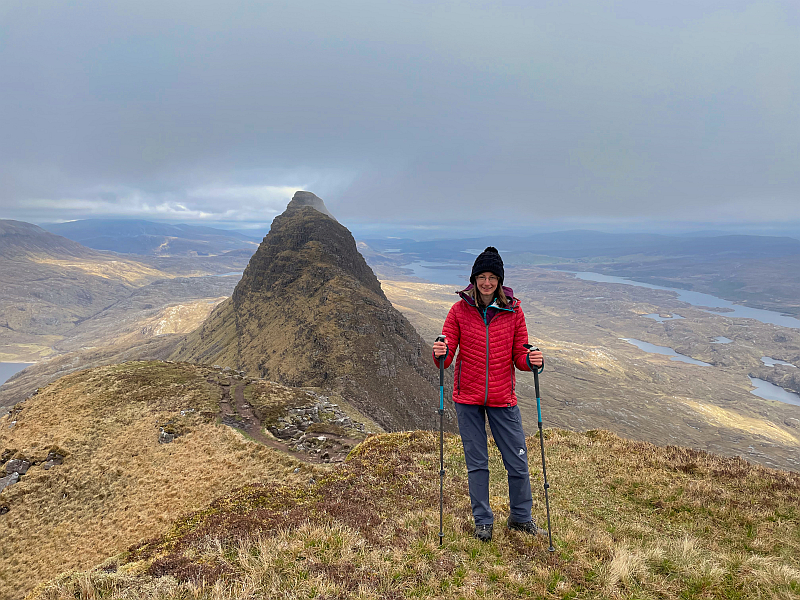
(310, 312)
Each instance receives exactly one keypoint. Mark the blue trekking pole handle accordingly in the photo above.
(441, 359)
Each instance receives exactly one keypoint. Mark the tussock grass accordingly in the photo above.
(118, 485)
(631, 520)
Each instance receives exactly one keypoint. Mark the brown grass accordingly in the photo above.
(177, 318)
(630, 520)
(129, 271)
(118, 485)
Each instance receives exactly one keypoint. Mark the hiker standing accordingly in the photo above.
(488, 326)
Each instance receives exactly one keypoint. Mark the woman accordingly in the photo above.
(488, 326)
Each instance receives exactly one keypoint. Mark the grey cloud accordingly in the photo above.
(404, 111)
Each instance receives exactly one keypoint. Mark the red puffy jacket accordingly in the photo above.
(491, 343)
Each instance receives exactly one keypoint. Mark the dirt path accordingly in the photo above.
(321, 446)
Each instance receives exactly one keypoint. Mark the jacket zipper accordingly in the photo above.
(486, 398)
(486, 323)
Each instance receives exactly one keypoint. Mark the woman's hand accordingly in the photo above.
(439, 349)
(536, 358)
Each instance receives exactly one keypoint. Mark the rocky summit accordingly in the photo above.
(310, 312)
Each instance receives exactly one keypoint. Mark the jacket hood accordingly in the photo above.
(512, 301)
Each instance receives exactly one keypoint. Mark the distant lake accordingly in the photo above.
(700, 299)
(771, 362)
(442, 273)
(764, 389)
(665, 351)
(7, 369)
(661, 319)
(770, 391)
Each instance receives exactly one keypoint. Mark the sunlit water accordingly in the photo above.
(702, 300)
(665, 351)
(442, 273)
(771, 362)
(770, 391)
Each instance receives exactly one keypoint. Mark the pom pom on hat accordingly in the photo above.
(488, 261)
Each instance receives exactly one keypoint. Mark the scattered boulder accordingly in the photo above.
(299, 424)
(53, 459)
(16, 465)
(164, 437)
(8, 481)
(3, 510)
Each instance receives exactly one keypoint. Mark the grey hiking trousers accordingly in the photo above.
(506, 426)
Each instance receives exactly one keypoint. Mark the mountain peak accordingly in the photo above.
(309, 311)
(302, 198)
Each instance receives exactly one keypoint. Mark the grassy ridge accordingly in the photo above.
(631, 520)
(118, 484)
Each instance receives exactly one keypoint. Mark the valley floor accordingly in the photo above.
(596, 379)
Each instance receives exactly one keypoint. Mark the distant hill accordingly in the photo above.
(309, 311)
(19, 240)
(755, 270)
(52, 285)
(130, 236)
(595, 245)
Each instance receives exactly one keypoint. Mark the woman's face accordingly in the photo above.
(487, 283)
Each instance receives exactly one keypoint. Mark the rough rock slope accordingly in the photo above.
(107, 457)
(310, 312)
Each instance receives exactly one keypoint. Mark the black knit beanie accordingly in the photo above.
(488, 260)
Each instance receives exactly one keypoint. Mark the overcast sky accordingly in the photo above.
(414, 113)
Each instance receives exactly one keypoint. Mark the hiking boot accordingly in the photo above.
(484, 532)
(529, 527)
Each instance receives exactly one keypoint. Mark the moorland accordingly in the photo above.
(179, 484)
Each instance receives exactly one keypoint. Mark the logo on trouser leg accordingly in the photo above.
(522, 451)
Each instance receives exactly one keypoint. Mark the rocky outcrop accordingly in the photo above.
(310, 312)
(18, 466)
(301, 199)
(320, 428)
(8, 480)
(14, 469)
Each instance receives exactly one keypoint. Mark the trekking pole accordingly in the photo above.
(442, 358)
(536, 372)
